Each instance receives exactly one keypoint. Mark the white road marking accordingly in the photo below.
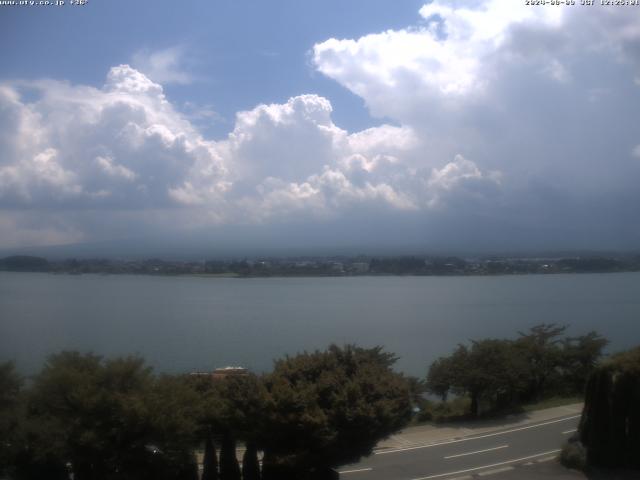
(495, 470)
(546, 459)
(477, 451)
(356, 471)
(515, 460)
(448, 442)
(566, 432)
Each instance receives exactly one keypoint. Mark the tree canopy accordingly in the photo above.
(501, 372)
(107, 419)
(332, 407)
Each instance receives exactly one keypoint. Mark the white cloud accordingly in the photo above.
(464, 179)
(501, 111)
(114, 170)
(124, 146)
(163, 66)
(291, 158)
(514, 88)
(447, 58)
(461, 54)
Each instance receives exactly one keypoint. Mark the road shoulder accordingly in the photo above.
(430, 434)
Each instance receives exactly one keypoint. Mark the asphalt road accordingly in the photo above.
(480, 455)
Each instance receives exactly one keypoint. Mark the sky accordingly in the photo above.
(480, 125)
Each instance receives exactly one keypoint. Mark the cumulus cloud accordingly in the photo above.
(291, 158)
(125, 147)
(443, 59)
(520, 117)
(532, 92)
(122, 144)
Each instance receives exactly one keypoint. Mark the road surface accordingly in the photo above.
(467, 457)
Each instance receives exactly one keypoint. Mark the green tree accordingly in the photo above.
(235, 408)
(250, 464)
(488, 371)
(112, 417)
(171, 415)
(229, 468)
(331, 407)
(540, 350)
(579, 358)
(210, 461)
(441, 377)
(240, 406)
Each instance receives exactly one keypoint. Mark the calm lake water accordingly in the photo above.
(190, 323)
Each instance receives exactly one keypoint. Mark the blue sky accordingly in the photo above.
(463, 125)
(240, 53)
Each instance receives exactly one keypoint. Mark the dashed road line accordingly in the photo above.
(477, 451)
(567, 432)
(358, 470)
(546, 459)
(495, 470)
(499, 464)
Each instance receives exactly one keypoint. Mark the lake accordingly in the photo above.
(182, 324)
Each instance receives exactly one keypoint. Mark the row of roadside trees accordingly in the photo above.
(107, 419)
(104, 419)
(501, 373)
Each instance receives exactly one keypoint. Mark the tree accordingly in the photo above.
(210, 461)
(485, 372)
(489, 370)
(610, 423)
(441, 377)
(331, 407)
(112, 417)
(505, 372)
(579, 357)
(229, 468)
(236, 409)
(171, 416)
(240, 403)
(250, 464)
(540, 350)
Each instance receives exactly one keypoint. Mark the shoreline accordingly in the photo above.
(232, 275)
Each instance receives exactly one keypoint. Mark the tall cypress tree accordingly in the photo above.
(229, 468)
(268, 468)
(210, 461)
(610, 426)
(250, 464)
